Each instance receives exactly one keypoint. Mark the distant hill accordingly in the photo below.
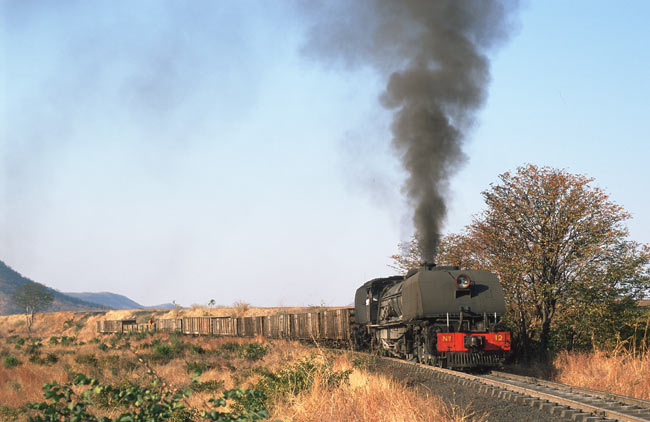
(162, 306)
(111, 300)
(10, 280)
(116, 301)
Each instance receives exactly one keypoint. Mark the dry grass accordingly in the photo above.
(626, 374)
(368, 397)
(23, 384)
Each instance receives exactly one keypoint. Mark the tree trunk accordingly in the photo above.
(29, 314)
(545, 335)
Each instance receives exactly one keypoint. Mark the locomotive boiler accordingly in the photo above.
(436, 315)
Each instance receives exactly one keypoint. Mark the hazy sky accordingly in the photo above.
(190, 151)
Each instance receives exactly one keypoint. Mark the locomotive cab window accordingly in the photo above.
(461, 293)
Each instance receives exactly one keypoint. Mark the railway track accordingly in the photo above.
(560, 400)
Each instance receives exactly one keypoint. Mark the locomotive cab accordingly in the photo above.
(367, 299)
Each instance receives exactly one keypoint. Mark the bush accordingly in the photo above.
(197, 368)
(34, 348)
(298, 377)
(206, 386)
(15, 339)
(11, 361)
(363, 362)
(86, 359)
(51, 358)
(54, 340)
(65, 402)
(252, 351)
(246, 406)
(116, 364)
(165, 352)
(198, 349)
(67, 341)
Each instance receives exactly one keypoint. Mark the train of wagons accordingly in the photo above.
(435, 315)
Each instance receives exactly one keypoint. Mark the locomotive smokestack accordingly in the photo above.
(428, 265)
(435, 52)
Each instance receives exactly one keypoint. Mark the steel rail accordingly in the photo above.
(604, 405)
(632, 401)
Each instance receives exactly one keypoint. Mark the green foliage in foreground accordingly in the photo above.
(293, 380)
(140, 404)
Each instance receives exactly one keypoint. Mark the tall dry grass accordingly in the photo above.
(627, 374)
(366, 397)
(370, 398)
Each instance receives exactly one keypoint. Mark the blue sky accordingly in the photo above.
(191, 151)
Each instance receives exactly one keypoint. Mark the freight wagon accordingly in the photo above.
(327, 325)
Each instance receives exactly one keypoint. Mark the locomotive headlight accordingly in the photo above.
(462, 281)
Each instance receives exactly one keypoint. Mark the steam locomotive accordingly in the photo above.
(436, 315)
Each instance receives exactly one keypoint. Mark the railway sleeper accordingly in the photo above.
(588, 417)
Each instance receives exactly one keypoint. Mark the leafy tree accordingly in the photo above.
(34, 297)
(561, 250)
(409, 256)
(556, 241)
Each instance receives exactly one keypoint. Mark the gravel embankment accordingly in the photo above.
(464, 396)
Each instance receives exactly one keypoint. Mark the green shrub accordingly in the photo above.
(206, 386)
(103, 347)
(117, 364)
(65, 402)
(165, 352)
(363, 362)
(67, 341)
(11, 361)
(34, 348)
(197, 368)
(253, 351)
(298, 377)
(14, 339)
(51, 358)
(54, 340)
(86, 359)
(245, 404)
(10, 414)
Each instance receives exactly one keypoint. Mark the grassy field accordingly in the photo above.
(191, 378)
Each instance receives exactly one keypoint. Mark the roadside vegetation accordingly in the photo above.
(177, 378)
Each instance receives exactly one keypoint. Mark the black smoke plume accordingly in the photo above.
(435, 53)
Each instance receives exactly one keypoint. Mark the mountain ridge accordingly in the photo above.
(11, 280)
(115, 301)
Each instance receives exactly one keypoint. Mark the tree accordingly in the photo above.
(34, 297)
(560, 248)
(409, 256)
(555, 240)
